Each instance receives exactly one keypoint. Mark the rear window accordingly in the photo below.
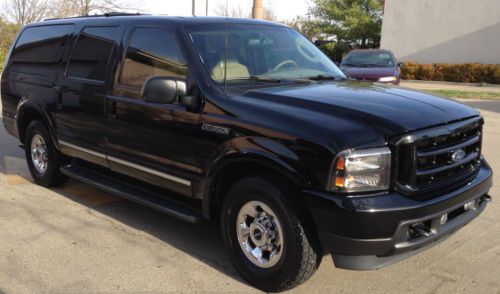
(90, 57)
(38, 50)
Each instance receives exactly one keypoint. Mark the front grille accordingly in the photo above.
(438, 159)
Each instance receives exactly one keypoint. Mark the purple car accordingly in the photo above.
(375, 65)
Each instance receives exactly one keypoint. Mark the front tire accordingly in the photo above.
(266, 233)
(42, 157)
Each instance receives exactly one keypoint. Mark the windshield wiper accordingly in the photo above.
(325, 77)
(257, 79)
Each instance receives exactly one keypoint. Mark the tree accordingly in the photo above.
(311, 28)
(223, 8)
(268, 12)
(342, 25)
(355, 23)
(23, 12)
(67, 8)
(86, 7)
(64, 8)
(8, 32)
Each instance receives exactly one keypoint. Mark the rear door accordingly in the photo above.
(81, 119)
(155, 142)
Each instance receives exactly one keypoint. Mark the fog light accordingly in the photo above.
(443, 219)
(470, 205)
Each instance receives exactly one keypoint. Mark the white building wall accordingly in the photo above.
(442, 31)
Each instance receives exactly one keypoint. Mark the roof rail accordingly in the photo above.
(107, 14)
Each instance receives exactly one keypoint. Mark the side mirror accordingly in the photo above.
(400, 64)
(163, 89)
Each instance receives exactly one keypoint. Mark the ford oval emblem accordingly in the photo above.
(458, 156)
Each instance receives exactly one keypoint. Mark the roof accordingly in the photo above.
(112, 17)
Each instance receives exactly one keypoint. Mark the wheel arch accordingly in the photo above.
(28, 113)
(235, 166)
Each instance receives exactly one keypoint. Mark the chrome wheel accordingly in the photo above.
(260, 234)
(39, 154)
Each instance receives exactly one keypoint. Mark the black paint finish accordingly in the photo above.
(295, 128)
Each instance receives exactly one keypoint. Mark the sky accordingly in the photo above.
(285, 9)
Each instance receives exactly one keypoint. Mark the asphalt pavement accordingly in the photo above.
(77, 239)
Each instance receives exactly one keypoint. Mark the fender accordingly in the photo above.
(25, 105)
(263, 151)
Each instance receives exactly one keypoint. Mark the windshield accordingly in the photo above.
(369, 59)
(258, 53)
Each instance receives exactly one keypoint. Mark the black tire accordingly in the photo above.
(301, 253)
(52, 176)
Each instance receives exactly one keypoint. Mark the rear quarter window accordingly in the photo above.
(38, 49)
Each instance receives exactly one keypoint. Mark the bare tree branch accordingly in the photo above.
(69, 8)
(223, 8)
(23, 12)
(104, 6)
(268, 12)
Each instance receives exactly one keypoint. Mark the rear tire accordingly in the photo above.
(42, 157)
(267, 235)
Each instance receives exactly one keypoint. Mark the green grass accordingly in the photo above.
(466, 94)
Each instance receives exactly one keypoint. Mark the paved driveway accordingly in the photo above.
(79, 239)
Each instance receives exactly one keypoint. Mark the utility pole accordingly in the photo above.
(206, 9)
(194, 8)
(257, 9)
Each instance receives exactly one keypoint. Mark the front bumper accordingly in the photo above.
(370, 232)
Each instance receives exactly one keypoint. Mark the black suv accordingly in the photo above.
(246, 122)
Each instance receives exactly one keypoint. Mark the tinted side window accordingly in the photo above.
(151, 52)
(91, 54)
(39, 49)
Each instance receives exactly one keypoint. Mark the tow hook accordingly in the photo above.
(486, 198)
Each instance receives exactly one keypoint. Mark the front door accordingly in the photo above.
(154, 142)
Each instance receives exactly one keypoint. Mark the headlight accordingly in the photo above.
(387, 79)
(361, 171)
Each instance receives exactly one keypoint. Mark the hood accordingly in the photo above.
(369, 72)
(362, 113)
